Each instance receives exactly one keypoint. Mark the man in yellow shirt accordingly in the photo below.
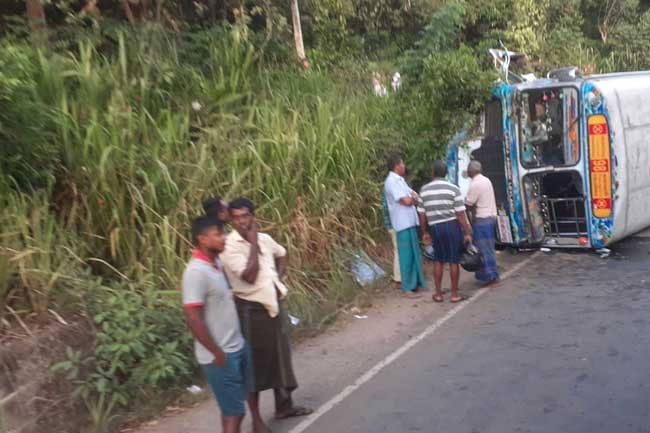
(255, 265)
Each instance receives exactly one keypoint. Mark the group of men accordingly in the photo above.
(233, 294)
(439, 211)
(233, 298)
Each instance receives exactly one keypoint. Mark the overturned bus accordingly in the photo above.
(568, 156)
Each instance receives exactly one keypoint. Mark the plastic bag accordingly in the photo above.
(471, 259)
(365, 270)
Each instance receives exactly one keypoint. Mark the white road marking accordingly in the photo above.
(304, 425)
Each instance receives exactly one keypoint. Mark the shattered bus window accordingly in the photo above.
(549, 127)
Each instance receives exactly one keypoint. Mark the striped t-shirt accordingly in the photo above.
(440, 200)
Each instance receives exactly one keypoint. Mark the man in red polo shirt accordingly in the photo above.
(212, 317)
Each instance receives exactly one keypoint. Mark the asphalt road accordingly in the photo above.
(562, 346)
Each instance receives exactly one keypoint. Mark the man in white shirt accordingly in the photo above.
(401, 201)
(255, 265)
(480, 198)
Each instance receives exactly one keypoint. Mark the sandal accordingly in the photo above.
(460, 298)
(295, 411)
(438, 298)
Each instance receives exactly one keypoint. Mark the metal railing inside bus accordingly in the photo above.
(564, 217)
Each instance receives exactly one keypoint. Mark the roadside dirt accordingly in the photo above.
(327, 363)
(30, 394)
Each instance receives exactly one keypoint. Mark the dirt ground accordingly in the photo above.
(30, 395)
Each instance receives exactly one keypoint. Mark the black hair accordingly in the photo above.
(213, 206)
(393, 160)
(203, 223)
(439, 168)
(241, 203)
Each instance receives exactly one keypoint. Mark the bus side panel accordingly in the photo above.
(633, 97)
(624, 102)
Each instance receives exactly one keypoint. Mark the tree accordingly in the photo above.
(36, 16)
(613, 13)
(297, 32)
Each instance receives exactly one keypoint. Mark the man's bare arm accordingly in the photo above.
(423, 224)
(194, 317)
(252, 269)
(281, 264)
(249, 274)
(467, 230)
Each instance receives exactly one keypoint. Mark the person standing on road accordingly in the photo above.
(397, 279)
(212, 318)
(255, 265)
(480, 199)
(442, 211)
(401, 201)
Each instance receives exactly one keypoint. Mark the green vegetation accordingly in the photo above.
(116, 124)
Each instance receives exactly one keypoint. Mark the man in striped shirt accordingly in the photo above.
(442, 218)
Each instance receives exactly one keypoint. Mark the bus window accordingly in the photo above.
(549, 127)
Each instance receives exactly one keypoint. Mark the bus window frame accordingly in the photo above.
(578, 121)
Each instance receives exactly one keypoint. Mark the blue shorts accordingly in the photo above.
(231, 383)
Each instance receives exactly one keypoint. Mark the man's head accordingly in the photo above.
(473, 168)
(217, 207)
(207, 234)
(439, 169)
(396, 164)
(242, 214)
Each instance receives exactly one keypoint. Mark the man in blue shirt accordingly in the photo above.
(401, 200)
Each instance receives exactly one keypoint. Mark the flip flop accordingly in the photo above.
(295, 411)
(411, 295)
(438, 298)
(458, 299)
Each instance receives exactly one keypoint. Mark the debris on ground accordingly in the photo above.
(365, 270)
(294, 320)
(194, 389)
(604, 252)
(360, 316)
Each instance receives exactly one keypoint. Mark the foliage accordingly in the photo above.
(631, 44)
(27, 156)
(452, 90)
(140, 346)
(142, 138)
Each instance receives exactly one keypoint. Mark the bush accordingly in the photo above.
(450, 89)
(140, 345)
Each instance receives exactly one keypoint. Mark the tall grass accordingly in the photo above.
(136, 160)
(143, 131)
